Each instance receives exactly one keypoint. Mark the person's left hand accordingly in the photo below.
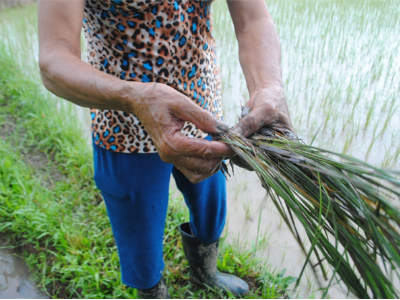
(268, 106)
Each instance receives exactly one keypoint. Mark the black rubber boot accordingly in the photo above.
(159, 291)
(202, 260)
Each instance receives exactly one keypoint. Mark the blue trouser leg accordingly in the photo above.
(207, 205)
(135, 188)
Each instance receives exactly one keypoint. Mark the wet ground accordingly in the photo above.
(15, 281)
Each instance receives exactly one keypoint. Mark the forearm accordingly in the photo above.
(67, 76)
(259, 50)
(260, 58)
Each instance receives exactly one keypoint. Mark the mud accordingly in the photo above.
(15, 281)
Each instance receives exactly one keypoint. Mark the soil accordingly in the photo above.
(13, 3)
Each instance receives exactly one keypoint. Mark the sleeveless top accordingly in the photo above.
(165, 41)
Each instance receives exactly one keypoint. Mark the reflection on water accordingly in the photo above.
(14, 277)
(341, 70)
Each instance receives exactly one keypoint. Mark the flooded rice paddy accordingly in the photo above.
(341, 70)
(341, 66)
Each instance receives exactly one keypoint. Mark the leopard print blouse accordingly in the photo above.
(165, 41)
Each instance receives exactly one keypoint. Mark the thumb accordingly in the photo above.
(201, 118)
(255, 119)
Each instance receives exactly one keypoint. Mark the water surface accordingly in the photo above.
(15, 281)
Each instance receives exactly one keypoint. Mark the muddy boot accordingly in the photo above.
(202, 260)
(159, 291)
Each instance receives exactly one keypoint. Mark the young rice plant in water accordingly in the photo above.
(345, 205)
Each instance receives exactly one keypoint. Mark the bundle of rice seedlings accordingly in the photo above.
(346, 207)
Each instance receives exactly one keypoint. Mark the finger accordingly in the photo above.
(282, 125)
(199, 165)
(201, 118)
(256, 119)
(193, 177)
(200, 148)
(216, 170)
(241, 163)
(196, 170)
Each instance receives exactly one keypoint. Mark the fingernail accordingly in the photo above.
(238, 129)
(222, 126)
(245, 111)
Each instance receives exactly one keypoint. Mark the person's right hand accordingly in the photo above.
(160, 108)
(163, 112)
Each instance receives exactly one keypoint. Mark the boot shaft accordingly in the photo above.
(202, 258)
(159, 291)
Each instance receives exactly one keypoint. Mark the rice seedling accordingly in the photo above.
(344, 205)
(374, 139)
(391, 154)
(247, 208)
(284, 252)
(370, 112)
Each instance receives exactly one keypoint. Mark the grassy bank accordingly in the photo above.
(12, 3)
(51, 209)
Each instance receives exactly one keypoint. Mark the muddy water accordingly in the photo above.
(15, 282)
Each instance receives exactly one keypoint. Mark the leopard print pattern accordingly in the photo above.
(166, 41)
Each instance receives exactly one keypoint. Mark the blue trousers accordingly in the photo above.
(135, 188)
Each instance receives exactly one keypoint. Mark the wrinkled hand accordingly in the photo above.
(163, 112)
(266, 107)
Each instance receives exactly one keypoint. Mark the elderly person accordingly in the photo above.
(153, 85)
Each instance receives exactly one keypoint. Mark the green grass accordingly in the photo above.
(51, 208)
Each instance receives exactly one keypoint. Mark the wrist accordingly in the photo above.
(275, 90)
(126, 95)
